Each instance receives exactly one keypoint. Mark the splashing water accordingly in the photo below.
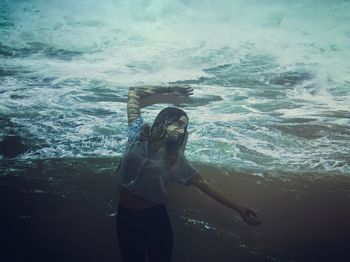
(271, 78)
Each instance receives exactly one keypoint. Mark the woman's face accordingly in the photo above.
(176, 129)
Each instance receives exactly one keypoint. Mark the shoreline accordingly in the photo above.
(65, 210)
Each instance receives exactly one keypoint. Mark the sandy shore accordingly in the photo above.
(64, 210)
(303, 219)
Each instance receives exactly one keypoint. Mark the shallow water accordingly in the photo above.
(271, 80)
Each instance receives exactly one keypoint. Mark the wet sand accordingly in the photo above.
(64, 210)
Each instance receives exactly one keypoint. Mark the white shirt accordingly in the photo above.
(149, 176)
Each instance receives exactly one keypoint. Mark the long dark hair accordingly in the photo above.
(166, 117)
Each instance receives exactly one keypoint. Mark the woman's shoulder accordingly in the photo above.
(134, 129)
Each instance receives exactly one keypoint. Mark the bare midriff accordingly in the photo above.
(132, 201)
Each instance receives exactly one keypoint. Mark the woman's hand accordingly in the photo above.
(181, 90)
(249, 216)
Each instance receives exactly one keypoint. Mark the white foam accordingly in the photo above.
(119, 44)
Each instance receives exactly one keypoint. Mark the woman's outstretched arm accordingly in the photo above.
(140, 97)
(247, 214)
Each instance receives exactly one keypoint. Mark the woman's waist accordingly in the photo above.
(132, 201)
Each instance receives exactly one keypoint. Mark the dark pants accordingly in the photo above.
(144, 232)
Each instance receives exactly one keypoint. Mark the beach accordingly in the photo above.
(64, 210)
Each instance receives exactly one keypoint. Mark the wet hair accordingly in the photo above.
(166, 117)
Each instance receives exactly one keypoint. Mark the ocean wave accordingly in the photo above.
(271, 81)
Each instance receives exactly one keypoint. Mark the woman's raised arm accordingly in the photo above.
(133, 107)
(139, 97)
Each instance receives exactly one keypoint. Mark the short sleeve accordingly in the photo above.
(183, 171)
(134, 130)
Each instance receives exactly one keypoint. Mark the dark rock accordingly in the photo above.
(291, 78)
(12, 146)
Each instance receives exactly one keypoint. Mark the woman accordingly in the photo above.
(155, 157)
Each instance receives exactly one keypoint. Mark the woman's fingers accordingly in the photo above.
(183, 90)
(189, 91)
(252, 213)
(252, 221)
